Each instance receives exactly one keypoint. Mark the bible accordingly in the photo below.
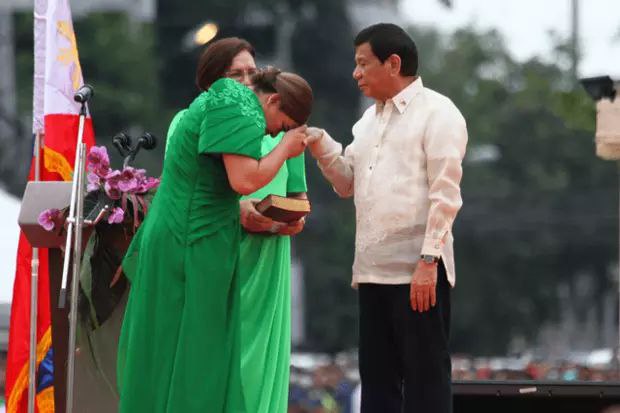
(283, 209)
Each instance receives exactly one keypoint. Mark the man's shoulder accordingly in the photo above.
(434, 98)
(438, 103)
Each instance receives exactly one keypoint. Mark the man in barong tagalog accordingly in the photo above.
(403, 170)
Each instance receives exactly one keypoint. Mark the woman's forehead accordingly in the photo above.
(243, 60)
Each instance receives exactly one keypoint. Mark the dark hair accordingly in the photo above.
(217, 58)
(295, 93)
(386, 39)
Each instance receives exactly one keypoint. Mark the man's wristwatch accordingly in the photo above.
(430, 259)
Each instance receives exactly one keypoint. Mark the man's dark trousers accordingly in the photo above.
(403, 355)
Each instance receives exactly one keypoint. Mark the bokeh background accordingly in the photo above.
(537, 238)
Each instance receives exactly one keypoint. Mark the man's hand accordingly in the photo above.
(293, 228)
(251, 219)
(423, 287)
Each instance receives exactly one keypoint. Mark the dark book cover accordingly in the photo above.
(283, 209)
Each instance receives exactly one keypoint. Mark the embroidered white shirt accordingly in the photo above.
(403, 169)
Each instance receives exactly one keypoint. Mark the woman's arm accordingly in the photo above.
(246, 175)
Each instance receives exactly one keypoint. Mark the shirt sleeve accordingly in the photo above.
(336, 166)
(296, 182)
(444, 144)
(233, 123)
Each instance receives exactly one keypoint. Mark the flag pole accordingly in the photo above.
(34, 285)
(40, 22)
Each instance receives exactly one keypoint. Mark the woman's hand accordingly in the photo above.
(293, 228)
(251, 219)
(294, 141)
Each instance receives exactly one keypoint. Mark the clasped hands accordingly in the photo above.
(296, 140)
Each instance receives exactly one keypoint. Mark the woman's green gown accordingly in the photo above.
(179, 349)
(265, 271)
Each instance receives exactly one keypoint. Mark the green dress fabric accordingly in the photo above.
(265, 274)
(173, 125)
(179, 349)
(265, 271)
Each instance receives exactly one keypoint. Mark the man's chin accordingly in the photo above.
(365, 91)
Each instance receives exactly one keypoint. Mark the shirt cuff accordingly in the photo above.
(432, 246)
(325, 145)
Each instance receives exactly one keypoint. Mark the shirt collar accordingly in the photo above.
(402, 99)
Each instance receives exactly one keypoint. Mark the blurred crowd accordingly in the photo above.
(565, 371)
(324, 384)
(596, 366)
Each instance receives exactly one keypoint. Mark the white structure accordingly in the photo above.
(143, 10)
(366, 12)
(9, 205)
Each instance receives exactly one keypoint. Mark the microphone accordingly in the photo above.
(146, 141)
(122, 142)
(84, 94)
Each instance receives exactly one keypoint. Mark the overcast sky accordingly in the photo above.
(525, 25)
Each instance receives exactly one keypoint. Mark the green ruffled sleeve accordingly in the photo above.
(296, 182)
(233, 123)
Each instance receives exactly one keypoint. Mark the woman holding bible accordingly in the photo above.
(180, 348)
(265, 271)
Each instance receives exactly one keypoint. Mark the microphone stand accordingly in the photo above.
(74, 241)
(146, 141)
(34, 297)
(131, 155)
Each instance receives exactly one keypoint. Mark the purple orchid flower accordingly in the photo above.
(128, 181)
(47, 219)
(94, 182)
(147, 184)
(140, 174)
(110, 186)
(102, 171)
(117, 215)
(98, 161)
(117, 184)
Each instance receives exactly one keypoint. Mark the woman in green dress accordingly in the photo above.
(179, 349)
(265, 270)
(265, 256)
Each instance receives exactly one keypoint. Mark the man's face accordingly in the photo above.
(372, 76)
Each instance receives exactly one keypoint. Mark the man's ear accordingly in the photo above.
(394, 64)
